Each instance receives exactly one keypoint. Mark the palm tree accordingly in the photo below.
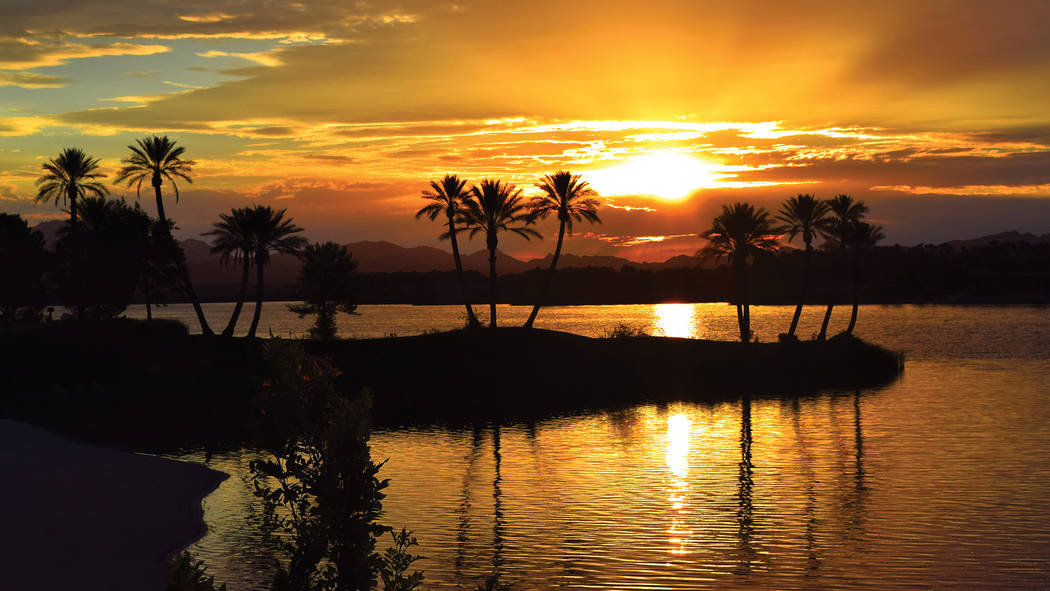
(70, 176)
(234, 238)
(572, 199)
(492, 208)
(806, 216)
(447, 196)
(158, 159)
(739, 232)
(861, 237)
(271, 233)
(845, 211)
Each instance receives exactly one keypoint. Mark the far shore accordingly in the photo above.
(89, 518)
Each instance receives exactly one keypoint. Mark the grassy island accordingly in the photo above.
(151, 385)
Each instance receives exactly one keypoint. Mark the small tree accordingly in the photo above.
(105, 257)
(23, 263)
(319, 487)
(326, 283)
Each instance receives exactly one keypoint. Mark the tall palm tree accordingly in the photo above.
(272, 233)
(234, 239)
(70, 176)
(159, 159)
(492, 208)
(845, 211)
(805, 216)
(446, 198)
(739, 232)
(571, 198)
(860, 237)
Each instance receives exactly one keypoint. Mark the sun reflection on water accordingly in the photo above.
(677, 458)
(674, 320)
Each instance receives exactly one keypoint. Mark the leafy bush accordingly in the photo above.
(322, 498)
(623, 331)
(396, 562)
(186, 574)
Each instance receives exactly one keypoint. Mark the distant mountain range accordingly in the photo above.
(387, 257)
(1000, 238)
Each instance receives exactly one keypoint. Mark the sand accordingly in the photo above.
(75, 516)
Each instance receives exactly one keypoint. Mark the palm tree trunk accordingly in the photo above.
(856, 293)
(745, 288)
(73, 209)
(184, 270)
(740, 319)
(547, 281)
(824, 325)
(492, 288)
(160, 201)
(245, 273)
(472, 320)
(258, 298)
(149, 305)
(804, 291)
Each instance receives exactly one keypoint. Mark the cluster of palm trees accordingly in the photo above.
(494, 206)
(247, 235)
(741, 231)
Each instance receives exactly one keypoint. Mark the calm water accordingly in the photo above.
(940, 480)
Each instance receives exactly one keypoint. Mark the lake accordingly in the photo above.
(939, 480)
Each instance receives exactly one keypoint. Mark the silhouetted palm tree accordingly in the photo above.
(860, 237)
(492, 208)
(234, 238)
(159, 159)
(806, 216)
(845, 211)
(68, 177)
(447, 196)
(272, 233)
(568, 196)
(739, 232)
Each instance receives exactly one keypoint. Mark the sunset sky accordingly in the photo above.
(937, 114)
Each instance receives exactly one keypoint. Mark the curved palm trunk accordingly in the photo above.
(184, 270)
(245, 273)
(472, 320)
(804, 291)
(547, 281)
(856, 294)
(492, 287)
(824, 325)
(258, 299)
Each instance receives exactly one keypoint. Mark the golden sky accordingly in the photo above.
(934, 113)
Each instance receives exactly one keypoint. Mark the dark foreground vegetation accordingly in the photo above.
(152, 386)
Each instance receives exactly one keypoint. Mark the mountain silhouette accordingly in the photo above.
(1000, 238)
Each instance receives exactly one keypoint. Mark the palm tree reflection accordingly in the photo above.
(856, 503)
(497, 506)
(745, 508)
(810, 508)
(463, 510)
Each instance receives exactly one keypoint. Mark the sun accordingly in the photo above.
(668, 175)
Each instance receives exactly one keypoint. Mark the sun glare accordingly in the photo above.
(671, 176)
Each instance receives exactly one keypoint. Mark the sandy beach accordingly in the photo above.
(77, 516)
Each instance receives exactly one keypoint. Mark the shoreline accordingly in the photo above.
(91, 517)
(153, 387)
